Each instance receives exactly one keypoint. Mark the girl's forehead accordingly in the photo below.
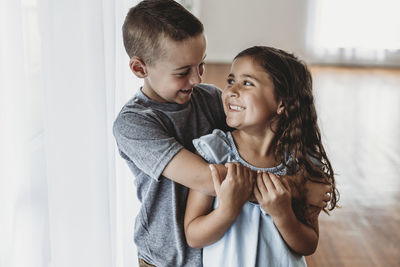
(249, 64)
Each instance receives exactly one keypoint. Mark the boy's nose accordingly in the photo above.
(195, 78)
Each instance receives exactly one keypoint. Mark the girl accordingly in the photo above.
(269, 101)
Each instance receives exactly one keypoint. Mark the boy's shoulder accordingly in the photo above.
(207, 88)
(139, 103)
(209, 94)
(141, 110)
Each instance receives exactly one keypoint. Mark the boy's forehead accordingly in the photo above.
(181, 53)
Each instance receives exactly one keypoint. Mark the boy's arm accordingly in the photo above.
(274, 197)
(203, 227)
(316, 194)
(192, 171)
(144, 140)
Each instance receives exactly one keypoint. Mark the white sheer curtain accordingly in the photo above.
(354, 31)
(66, 198)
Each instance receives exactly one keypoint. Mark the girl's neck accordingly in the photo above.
(256, 149)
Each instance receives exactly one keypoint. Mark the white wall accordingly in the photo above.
(233, 25)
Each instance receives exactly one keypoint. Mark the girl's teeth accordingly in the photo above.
(235, 107)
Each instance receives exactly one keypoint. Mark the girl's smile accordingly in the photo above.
(249, 97)
(235, 108)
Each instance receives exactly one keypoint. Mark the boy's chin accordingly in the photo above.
(182, 101)
(183, 98)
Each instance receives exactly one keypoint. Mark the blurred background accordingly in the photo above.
(68, 199)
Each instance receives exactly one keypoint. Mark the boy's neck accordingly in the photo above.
(256, 149)
(151, 94)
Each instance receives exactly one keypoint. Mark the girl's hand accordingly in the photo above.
(235, 189)
(318, 194)
(273, 195)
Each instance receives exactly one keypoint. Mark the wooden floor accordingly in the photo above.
(359, 116)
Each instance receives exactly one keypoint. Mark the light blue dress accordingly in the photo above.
(253, 239)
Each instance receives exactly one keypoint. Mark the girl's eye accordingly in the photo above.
(230, 81)
(247, 83)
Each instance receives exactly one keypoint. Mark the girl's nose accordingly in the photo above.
(233, 91)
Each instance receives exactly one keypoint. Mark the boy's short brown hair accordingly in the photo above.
(147, 23)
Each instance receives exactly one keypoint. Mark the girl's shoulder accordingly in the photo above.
(215, 147)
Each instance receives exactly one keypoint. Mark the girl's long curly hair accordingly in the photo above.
(297, 132)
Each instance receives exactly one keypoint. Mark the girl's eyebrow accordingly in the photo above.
(231, 75)
(249, 76)
(188, 66)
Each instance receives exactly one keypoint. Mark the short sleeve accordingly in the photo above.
(215, 147)
(142, 139)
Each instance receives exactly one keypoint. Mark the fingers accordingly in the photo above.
(231, 169)
(287, 185)
(240, 170)
(222, 171)
(321, 205)
(216, 179)
(267, 181)
(257, 194)
(250, 175)
(312, 212)
(327, 197)
(260, 184)
(277, 182)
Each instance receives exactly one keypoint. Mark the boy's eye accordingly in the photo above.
(201, 68)
(183, 74)
(230, 81)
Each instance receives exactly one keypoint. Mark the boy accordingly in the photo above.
(155, 129)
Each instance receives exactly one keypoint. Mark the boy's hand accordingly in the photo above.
(318, 194)
(311, 214)
(235, 189)
(272, 194)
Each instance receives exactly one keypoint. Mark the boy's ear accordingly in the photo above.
(281, 108)
(138, 67)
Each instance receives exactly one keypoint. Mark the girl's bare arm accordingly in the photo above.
(204, 226)
(275, 198)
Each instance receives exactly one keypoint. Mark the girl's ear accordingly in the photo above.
(281, 108)
(138, 67)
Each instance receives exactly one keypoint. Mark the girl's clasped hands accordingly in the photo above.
(272, 192)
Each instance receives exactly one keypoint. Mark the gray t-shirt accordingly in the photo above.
(149, 134)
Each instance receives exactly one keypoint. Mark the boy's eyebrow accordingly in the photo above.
(188, 66)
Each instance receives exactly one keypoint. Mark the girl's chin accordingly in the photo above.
(232, 124)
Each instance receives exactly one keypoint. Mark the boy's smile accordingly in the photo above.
(172, 77)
